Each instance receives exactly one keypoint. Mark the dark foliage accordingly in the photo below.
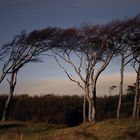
(66, 110)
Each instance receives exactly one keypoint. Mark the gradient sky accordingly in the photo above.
(18, 15)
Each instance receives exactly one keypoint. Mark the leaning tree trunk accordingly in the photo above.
(136, 100)
(121, 87)
(84, 109)
(12, 83)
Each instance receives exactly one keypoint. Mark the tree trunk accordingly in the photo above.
(89, 110)
(138, 107)
(135, 106)
(84, 109)
(89, 107)
(94, 103)
(11, 91)
(121, 87)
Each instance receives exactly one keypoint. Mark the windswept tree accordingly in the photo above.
(25, 48)
(104, 48)
(69, 41)
(134, 39)
(122, 39)
(94, 49)
(125, 59)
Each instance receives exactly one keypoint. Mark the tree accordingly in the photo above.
(84, 80)
(94, 50)
(25, 48)
(126, 29)
(125, 54)
(134, 38)
(103, 49)
(134, 41)
(136, 106)
(66, 53)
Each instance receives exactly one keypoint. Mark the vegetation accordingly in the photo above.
(63, 110)
(95, 46)
(104, 130)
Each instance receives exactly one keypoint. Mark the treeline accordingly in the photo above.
(65, 110)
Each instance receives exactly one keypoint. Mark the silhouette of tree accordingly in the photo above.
(134, 38)
(24, 49)
(94, 50)
(126, 29)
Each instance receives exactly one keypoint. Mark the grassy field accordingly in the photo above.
(106, 130)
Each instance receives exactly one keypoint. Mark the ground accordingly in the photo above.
(126, 129)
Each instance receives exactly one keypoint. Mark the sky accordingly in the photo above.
(47, 77)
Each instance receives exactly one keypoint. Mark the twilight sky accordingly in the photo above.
(18, 15)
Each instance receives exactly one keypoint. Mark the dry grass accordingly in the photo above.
(25, 130)
(106, 130)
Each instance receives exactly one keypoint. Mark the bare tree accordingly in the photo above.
(101, 41)
(82, 82)
(125, 59)
(65, 54)
(126, 29)
(25, 48)
(134, 39)
(95, 51)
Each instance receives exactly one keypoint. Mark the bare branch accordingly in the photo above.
(68, 75)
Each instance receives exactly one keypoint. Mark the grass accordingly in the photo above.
(25, 130)
(125, 129)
